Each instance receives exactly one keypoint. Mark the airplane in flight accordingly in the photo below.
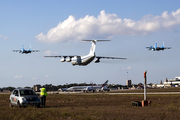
(85, 60)
(22, 50)
(92, 88)
(155, 48)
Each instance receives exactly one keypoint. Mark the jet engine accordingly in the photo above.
(68, 59)
(76, 60)
(63, 59)
(97, 60)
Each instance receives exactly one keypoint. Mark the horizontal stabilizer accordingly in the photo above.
(97, 40)
(109, 57)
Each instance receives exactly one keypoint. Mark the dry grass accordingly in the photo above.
(172, 89)
(95, 107)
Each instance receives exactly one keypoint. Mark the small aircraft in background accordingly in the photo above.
(85, 60)
(103, 87)
(155, 48)
(22, 50)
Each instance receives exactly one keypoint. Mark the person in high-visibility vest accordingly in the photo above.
(43, 96)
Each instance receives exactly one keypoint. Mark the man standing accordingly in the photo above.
(43, 96)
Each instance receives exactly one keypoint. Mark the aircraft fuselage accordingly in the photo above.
(82, 60)
(25, 51)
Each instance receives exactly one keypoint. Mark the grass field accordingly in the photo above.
(173, 89)
(95, 107)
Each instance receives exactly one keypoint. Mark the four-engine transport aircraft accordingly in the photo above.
(85, 60)
(22, 50)
(103, 87)
(155, 48)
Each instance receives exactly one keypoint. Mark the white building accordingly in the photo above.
(175, 81)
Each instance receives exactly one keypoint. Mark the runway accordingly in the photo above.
(148, 93)
(143, 93)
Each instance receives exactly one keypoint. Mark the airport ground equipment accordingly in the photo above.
(136, 103)
(145, 85)
(144, 102)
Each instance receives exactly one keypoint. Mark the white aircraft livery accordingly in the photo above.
(103, 87)
(85, 60)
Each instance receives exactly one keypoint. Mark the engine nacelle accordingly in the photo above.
(76, 60)
(97, 60)
(63, 59)
(68, 59)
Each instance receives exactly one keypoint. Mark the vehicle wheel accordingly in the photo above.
(10, 105)
(19, 106)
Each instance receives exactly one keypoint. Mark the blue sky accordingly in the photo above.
(57, 27)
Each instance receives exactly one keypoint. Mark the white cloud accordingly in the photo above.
(128, 68)
(18, 77)
(3, 37)
(48, 52)
(108, 25)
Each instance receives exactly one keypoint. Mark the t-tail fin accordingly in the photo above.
(93, 46)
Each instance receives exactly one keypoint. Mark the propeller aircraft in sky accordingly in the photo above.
(155, 48)
(22, 50)
(85, 60)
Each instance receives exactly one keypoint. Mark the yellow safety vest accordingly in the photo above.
(43, 91)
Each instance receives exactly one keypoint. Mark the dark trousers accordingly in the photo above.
(43, 100)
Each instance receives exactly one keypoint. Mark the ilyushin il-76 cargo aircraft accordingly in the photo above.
(155, 48)
(22, 50)
(85, 60)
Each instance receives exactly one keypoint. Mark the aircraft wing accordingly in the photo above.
(35, 50)
(160, 48)
(167, 47)
(16, 50)
(98, 57)
(61, 56)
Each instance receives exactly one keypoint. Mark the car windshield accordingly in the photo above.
(27, 92)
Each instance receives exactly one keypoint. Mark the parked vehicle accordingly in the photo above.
(23, 97)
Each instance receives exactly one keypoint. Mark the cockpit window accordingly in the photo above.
(27, 92)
